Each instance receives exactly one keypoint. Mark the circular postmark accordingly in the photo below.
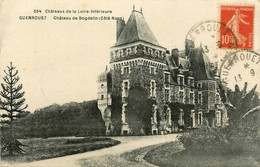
(207, 35)
(240, 67)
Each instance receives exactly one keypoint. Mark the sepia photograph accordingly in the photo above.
(92, 83)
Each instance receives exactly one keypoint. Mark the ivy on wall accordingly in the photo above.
(175, 113)
(116, 114)
(139, 110)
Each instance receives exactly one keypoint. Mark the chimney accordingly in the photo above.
(120, 25)
(189, 44)
(175, 56)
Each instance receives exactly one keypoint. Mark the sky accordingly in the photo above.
(59, 61)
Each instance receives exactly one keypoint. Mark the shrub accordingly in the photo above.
(9, 144)
(244, 135)
(203, 140)
(236, 138)
(85, 140)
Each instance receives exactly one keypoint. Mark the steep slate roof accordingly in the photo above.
(136, 29)
(185, 64)
(200, 64)
(170, 62)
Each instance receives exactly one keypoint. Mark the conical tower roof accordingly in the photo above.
(136, 29)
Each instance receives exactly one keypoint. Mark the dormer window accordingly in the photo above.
(180, 79)
(191, 81)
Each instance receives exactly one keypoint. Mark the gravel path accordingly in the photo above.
(128, 153)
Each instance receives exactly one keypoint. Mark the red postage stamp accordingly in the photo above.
(240, 20)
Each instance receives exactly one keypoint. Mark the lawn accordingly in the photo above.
(38, 149)
(173, 155)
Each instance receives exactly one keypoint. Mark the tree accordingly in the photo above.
(13, 104)
(241, 102)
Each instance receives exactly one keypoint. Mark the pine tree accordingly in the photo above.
(13, 103)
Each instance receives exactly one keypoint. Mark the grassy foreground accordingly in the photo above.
(173, 155)
(39, 149)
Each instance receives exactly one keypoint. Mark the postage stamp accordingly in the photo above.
(241, 67)
(240, 19)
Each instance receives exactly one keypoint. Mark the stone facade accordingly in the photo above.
(137, 59)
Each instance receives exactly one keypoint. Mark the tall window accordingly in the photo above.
(126, 70)
(166, 95)
(152, 70)
(200, 118)
(199, 99)
(153, 88)
(192, 82)
(167, 79)
(181, 117)
(218, 118)
(217, 99)
(181, 80)
(199, 85)
(193, 119)
(125, 88)
(181, 97)
(102, 97)
(191, 98)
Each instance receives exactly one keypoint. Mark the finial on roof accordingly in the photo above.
(106, 67)
(134, 7)
(141, 10)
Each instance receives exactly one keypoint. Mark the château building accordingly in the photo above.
(184, 78)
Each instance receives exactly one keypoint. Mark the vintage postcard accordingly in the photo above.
(129, 83)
